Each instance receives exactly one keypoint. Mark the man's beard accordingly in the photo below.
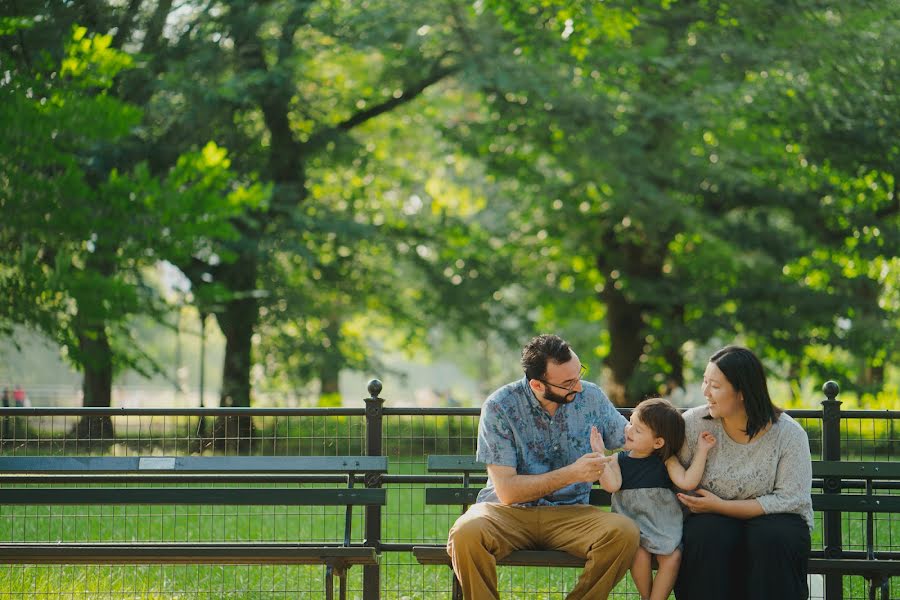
(558, 398)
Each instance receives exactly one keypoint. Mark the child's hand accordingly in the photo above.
(706, 440)
(597, 444)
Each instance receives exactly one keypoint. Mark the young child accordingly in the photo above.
(640, 479)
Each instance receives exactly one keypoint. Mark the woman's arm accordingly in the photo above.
(689, 479)
(793, 475)
(707, 502)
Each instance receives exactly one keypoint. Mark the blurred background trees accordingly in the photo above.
(336, 180)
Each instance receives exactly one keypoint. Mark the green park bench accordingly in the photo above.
(32, 480)
(841, 483)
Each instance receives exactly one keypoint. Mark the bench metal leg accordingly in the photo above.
(882, 582)
(342, 579)
(329, 582)
(885, 587)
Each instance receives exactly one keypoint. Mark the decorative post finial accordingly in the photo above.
(374, 388)
(831, 389)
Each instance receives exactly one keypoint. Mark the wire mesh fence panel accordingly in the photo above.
(408, 437)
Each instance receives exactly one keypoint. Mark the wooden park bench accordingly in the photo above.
(41, 476)
(832, 476)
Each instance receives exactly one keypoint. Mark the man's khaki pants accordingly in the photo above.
(489, 532)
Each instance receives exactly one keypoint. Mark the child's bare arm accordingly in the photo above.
(689, 479)
(611, 478)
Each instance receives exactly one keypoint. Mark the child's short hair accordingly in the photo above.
(665, 421)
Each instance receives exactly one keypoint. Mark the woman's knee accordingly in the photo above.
(714, 532)
(777, 533)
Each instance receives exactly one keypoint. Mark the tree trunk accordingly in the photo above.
(237, 322)
(626, 333)
(331, 362)
(96, 384)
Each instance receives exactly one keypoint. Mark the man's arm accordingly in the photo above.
(512, 488)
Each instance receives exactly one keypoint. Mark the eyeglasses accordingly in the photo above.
(581, 375)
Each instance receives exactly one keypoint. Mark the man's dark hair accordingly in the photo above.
(665, 422)
(745, 373)
(539, 350)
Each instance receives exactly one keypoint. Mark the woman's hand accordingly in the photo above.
(705, 501)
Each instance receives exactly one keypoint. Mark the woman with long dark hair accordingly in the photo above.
(748, 532)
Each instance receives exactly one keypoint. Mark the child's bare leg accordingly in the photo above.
(665, 575)
(642, 573)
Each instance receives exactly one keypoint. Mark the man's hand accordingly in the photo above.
(706, 440)
(589, 467)
(597, 444)
(704, 501)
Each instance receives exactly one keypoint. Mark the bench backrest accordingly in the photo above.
(39, 471)
(192, 464)
(838, 475)
(867, 472)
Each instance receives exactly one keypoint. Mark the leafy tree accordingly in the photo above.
(80, 231)
(651, 178)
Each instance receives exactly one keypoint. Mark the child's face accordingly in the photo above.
(640, 439)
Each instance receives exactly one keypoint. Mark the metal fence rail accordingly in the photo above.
(405, 436)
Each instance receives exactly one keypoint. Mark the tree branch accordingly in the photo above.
(407, 95)
(127, 24)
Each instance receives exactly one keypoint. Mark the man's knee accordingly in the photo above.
(467, 531)
(621, 531)
(628, 530)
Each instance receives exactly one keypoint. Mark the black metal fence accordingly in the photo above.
(407, 436)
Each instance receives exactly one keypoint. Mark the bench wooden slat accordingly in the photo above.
(170, 553)
(854, 566)
(206, 496)
(445, 496)
(856, 503)
(194, 464)
(437, 555)
(448, 496)
(450, 463)
(856, 470)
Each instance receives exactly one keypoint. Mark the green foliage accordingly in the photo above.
(644, 177)
(80, 230)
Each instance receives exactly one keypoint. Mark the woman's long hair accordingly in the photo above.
(745, 373)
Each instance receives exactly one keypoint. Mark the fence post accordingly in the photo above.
(372, 573)
(831, 450)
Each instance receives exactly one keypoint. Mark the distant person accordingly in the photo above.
(19, 396)
(6, 397)
(640, 479)
(748, 534)
(534, 435)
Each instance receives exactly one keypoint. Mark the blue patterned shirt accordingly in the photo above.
(516, 431)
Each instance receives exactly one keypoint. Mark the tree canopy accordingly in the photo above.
(644, 177)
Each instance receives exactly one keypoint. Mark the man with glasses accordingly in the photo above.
(534, 435)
